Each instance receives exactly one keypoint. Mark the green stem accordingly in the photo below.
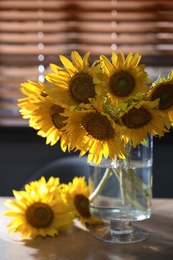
(119, 175)
(129, 183)
(101, 184)
(136, 181)
(133, 183)
(128, 189)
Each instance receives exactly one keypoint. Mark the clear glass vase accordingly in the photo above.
(121, 193)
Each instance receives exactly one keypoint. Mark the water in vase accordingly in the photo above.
(126, 194)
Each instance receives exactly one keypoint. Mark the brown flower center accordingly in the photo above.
(165, 93)
(39, 215)
(121, 84)
(81, 87)
(57, 119)
(82, 205)
(136, 118)
(98, 126)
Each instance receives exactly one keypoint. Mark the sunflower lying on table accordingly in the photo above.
(47, 207)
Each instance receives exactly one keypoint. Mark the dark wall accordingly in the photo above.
(163, 166)
(22, 153)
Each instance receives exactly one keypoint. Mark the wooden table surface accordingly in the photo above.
(79, 244)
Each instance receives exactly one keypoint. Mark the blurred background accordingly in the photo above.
(32, 35)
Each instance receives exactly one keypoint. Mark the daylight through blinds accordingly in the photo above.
(34, 32)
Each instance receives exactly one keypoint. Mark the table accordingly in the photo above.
(79, 244)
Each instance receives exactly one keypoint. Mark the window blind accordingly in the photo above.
(34, 32)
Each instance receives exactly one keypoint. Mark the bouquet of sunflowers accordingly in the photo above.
(97, 109)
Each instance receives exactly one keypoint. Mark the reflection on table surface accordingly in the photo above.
(79, 244)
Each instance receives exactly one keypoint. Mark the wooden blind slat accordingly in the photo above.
(99, 39)
(33, 26)
(92, 6)
(129, 27)
(87, 16)
(26, 15)
(30, 5)
(88, 38)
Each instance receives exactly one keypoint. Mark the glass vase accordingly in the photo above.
(121, 193)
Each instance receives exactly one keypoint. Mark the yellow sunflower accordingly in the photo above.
(51, 184)
(142, 118)
(77, 191)
(75, 83)
(170, 114)
(124, 76)
(34, 91)
(163, 89)
(94, 132)
(48, 120)
(27, 107)
(39, 210)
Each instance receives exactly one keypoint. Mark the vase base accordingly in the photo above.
(105, 235)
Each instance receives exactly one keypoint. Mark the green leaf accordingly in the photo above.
(145, 142)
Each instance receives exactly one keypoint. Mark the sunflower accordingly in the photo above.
(48, 120)
(27, 107)
(34, 91)
(51, 184)
(142, 118)
(77, 191)
(124, 76)
(75, 83)
(170, 114)
(163, 89)
(94, 132)
(39, 210)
